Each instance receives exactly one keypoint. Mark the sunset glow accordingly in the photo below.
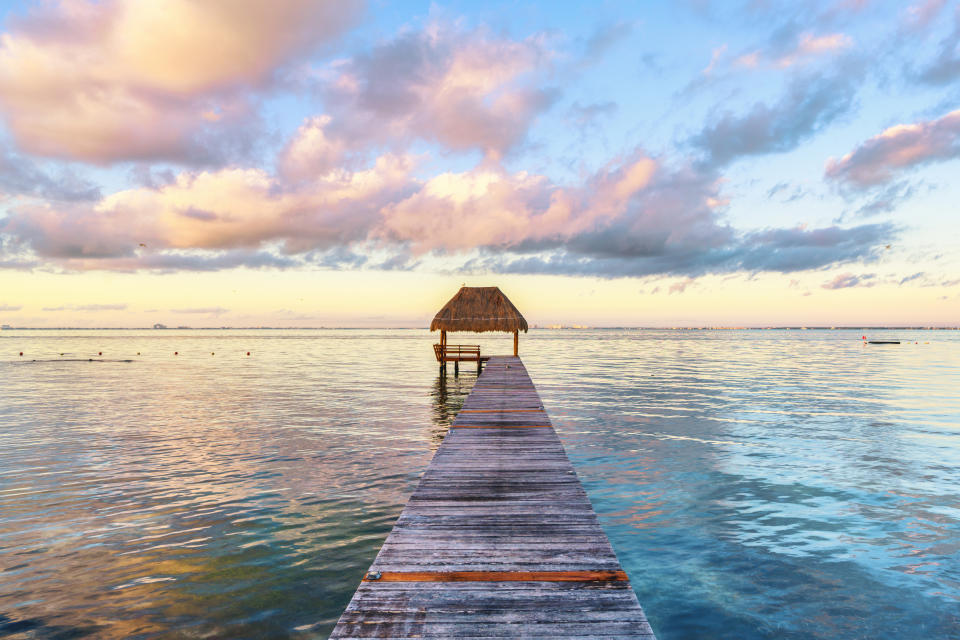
(306, 164)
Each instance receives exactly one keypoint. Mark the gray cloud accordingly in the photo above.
(10, 307)
(604, 38)
(212, 311)
(776, 250)
(100, 307)
(888, 199)
(212, 260)
(847, 280)
(20, 175)
(810, 104)
(585, 116)
(916, 276)
(87, 307)
(945, 66)
(795, 193)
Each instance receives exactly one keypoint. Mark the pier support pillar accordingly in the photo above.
(516, 343)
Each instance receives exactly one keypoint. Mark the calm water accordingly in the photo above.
(755, 484)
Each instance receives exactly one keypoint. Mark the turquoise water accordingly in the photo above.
(755, 484)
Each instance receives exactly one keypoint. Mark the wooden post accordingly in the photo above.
(456, 368)
(516, 342)
(443, 351)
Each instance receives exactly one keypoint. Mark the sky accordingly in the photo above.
(346, 163)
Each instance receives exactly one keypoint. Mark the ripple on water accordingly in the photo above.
(754, 484)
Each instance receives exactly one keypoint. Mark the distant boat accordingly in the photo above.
(6, 326)
(883, 341)
(159, 326)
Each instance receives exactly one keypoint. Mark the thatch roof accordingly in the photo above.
(479, 309)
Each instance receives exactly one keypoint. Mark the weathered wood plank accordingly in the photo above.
(499, 540)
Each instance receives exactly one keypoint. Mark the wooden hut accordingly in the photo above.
(475, 309)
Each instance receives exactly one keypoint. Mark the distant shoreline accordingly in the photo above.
(578, 328)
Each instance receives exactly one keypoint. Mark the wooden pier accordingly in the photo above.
(499, 539)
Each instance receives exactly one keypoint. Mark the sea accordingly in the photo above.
(754, 484)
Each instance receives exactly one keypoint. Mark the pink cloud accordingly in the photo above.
(218, 210)
(897, 149)
(920, 15)
(807, 47)
(848, 280)
(639, 215)
(311, 151)
(636, 206)
(463, 89)
(118, 79)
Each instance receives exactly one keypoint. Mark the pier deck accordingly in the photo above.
(499, 539)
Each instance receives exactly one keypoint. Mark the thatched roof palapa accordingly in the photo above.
(479, 309)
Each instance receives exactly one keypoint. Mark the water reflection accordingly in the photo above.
(754, 484)
(448, 395)
(758, 481)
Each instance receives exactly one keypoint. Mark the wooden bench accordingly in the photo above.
(457, 353)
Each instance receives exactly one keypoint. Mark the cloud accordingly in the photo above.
(585, 116)
(945, 67)
(896, 150)
(125, 80)
(20, 175)
(847, 280)
(170, 261)
(810, 104)
(799, 249)
(100, 307)
(633, 218)
(806, 47)
(924, 279)
(311, 151)
(916, 276)
(217, 211)
(464, 89)
(604, 38)
(919, 16)
(10, 307)
(715, 56)
(638, 215)
(797, 192)
(87, 307)
(210, 311)
(680, 286)
(634, 207)
(888, 199)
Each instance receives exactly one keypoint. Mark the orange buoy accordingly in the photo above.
(176, 353)
(248, 353)
(99, 353)
(21, 353)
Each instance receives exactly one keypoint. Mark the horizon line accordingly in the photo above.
(547, 328)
